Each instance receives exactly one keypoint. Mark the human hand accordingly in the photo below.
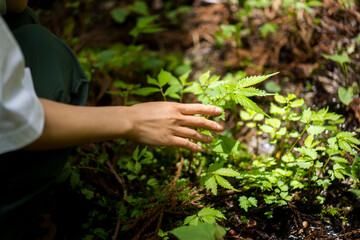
(170, 124)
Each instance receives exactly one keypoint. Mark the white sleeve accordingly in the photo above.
(2, 7)
(21, 113)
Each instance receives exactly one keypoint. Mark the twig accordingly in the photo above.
(119, 178)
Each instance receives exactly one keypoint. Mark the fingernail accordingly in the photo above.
(219, 127)
(209, 139)
(218, 110)
(199, 148)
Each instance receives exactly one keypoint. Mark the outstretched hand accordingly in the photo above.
(171, 124)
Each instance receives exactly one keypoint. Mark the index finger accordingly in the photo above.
(191, 109)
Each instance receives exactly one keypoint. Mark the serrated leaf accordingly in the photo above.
(306, 115)
(223, 182)
(339, 159)
(211, 184)
(281, 132)
(319, 115)
(315, 130)
(245, 202)
(345, 146)
(332, 143)
(276, 110)
(248, 104)
(207, 211)
(250, 92)
(227, 172)
(192, 220)
(307, 152)
(249, 81)
(274, 122)
(280, 99)
(297, 103)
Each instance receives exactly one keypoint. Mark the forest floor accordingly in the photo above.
(295, 49)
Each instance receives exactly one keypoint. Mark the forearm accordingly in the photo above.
(16, 6)
(68, 125)
(154, 123)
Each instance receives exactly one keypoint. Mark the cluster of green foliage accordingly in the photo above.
(306, 151)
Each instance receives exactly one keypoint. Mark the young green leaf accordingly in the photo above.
(227, 172)
(164, 77)
(245, 202)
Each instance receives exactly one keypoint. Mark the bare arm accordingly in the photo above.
(16, 6)
(155, 123)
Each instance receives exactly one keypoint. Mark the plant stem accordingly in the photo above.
(327, 161)
(297, 140)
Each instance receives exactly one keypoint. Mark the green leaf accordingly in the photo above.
(173, 91)
(271, 86)
(355, 168)
(274, 122)
(280, 99)
(249, 81)
(223, 182)
(210, 212)
(267, 128)
(339, 159)
(211, 184)
(119, 14)
(203, 231)
(145, 91)
(343, 58)
(204, 78)
(309, 140)
(339, 171)
(225, 145)
(307, 152)
(250, 92)
(245, 202)
(164, 77)
(276, 110)
(346, 95)
(306, 115)
(152, 81)
(315, 130)
(139, 7)
(227, 172)
(297, 103)
(248, 104)
(184, 77)
(345, 146)
(195, 88)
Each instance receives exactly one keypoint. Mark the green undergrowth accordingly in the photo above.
(308, 152)
(291, 152)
